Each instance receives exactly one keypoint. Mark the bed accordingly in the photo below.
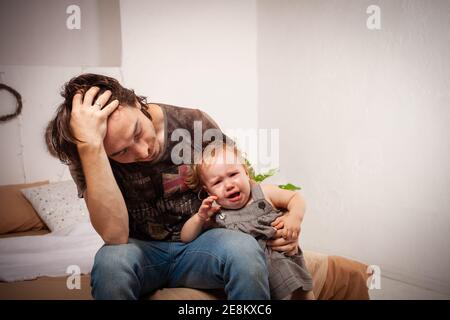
(48, 217)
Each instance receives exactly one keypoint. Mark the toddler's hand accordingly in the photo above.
(206, 210)
(289, 225)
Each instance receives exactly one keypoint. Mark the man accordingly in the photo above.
(121, 155)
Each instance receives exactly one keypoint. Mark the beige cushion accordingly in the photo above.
(317, 264)
(16, 213)
(57, 204)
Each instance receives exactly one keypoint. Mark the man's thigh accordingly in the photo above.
(148, 261)
(200, 263)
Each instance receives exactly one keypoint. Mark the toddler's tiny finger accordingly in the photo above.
(274, 222)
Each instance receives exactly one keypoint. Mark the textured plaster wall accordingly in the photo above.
(364, 127)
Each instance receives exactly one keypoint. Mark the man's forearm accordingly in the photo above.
(107, 209)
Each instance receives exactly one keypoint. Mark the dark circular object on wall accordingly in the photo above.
(18, 106)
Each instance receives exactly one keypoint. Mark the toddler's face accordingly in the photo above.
(229, 182)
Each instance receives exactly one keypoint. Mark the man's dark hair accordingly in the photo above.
(59, 138)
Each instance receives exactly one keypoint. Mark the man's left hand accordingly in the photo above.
(278, 243)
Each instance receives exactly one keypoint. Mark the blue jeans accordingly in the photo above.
(218, 258)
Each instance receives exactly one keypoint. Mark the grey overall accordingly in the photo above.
(286, 274)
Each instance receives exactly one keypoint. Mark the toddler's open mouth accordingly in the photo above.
(234, 196)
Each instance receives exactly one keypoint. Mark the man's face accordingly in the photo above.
(227, 180)
(131, 136)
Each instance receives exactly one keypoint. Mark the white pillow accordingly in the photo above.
(57, 204)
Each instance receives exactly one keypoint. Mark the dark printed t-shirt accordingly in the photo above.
(156, 196)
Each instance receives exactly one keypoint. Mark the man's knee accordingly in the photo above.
(116, 272)
(243, 251)
(116, 258)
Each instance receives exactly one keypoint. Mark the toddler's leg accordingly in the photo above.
(221, 258)
(302, 295)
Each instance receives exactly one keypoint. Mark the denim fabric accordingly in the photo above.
(218, 258)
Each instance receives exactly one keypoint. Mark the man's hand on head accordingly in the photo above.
(88, 120)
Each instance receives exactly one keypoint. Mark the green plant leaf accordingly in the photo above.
(263, 176)
(289, 186)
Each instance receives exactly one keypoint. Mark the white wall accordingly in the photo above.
(364, 118)
(37, 56)
(196, 53)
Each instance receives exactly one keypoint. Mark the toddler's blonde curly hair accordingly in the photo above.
(193, 178)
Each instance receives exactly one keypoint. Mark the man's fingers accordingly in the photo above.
(279, 242)
(89, 96)
(287, 235)
(278, 234)
(111, 107)
(77, 101)
(285, 248)
(103, 99)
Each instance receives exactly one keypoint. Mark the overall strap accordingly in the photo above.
(257, 193)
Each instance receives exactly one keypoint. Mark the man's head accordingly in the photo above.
(59, 137)
(131, 136)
